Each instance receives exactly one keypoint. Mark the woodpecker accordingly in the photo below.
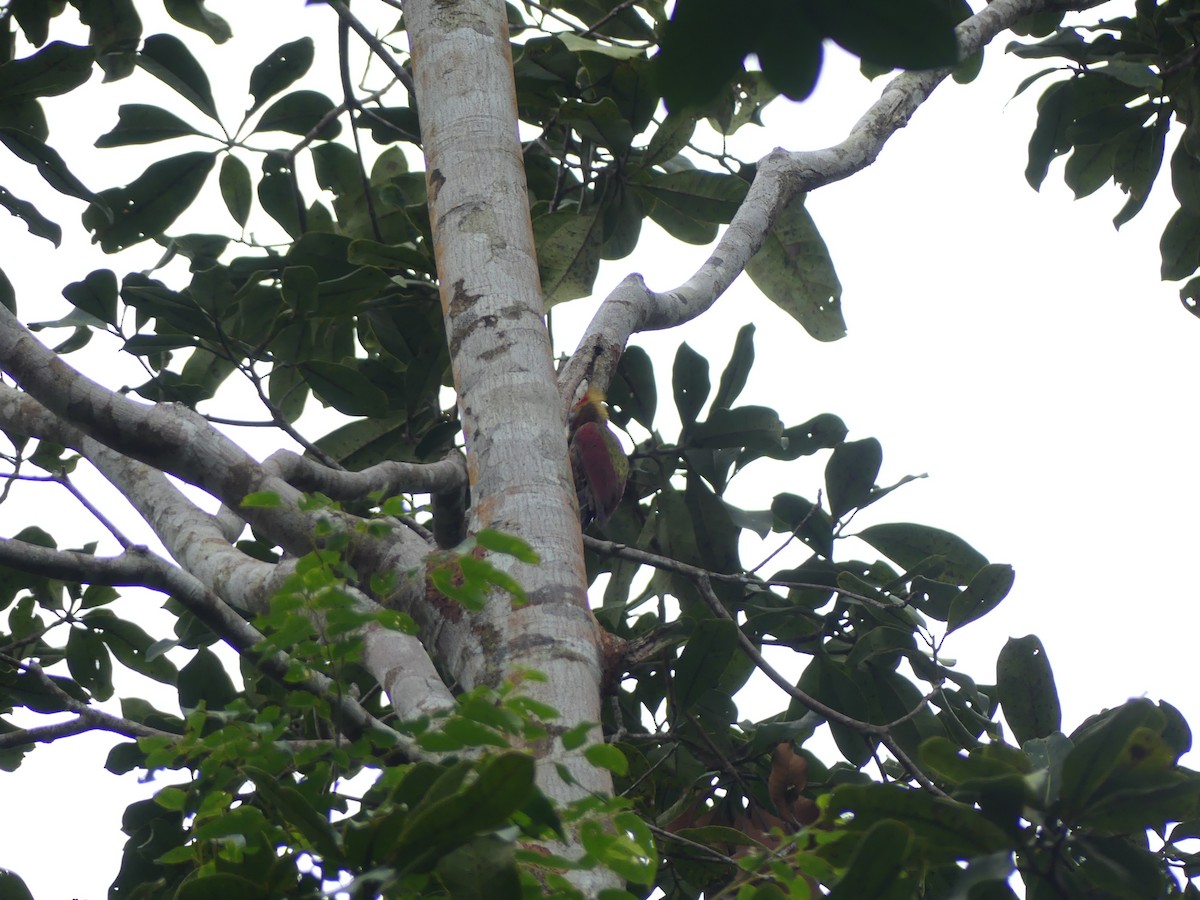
(598, 462)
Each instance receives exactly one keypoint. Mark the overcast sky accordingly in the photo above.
(1010, 344)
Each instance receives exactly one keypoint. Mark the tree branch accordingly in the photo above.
(781, 175)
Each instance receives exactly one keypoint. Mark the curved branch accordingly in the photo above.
(781, 174)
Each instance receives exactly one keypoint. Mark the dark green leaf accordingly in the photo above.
(806, 519)
(908, 544)
(300, 112)
(704, 658)
(295, 808)
(743, 426)
(850, 474)
(280, 69)
(114, 30)
(696, 194)
(138, 123)
(8, 296)
(481, 870)
(737, 370)
(55, 69)
(795, 272)
(146, 207)
(878, 867)
(49, 164)
(12, 887)
(37, 224)
(1025, 687)
(89, 662)
(225, 885)
(204, 680)
(990, 585)
(1180, 245)
(168, 59)
(194, 14)
(280, 196)
(918, 34)
(236, 189)
(689, 380)
(829, 681)
(568, 248)
(633, 394)
(345, 389)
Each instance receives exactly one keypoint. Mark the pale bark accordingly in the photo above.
(501, 356)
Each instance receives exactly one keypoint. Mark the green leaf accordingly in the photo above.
(689, 380)
(990, 585)
(49, 164)
(37, 224)
(802, 517)
(345, 389)
(1180, 245)
(204, 680)
(56, 69)
(601, 122)
(909, 544)
(878, 867)
(606, 756)
(195, 15)
(114, 30)
(829, 681)
(850, 475)
(508, 544)
(168, 59)
(705, 656)
(281, 68)
(568, 248)
(261, 500)
(280, 196)
(503, 787)
(696, 194)
(1026, 689)
(146, 207)
(225, 885)
(737, 370)
(8, 296)
(945, 829)
(484, 869)
(138, 123)
(1104, 745)
(300, 112)
(12, 887)
(130, 644)
(299, 811)
(633, 394)
(89, 662)
(918, 34)
(236, 189)
(795, 272)
(743, 426)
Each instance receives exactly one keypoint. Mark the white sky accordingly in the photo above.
(1009, 344)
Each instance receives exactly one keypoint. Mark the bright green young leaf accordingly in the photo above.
(261, 500)
(508, 544)
(606, 756)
